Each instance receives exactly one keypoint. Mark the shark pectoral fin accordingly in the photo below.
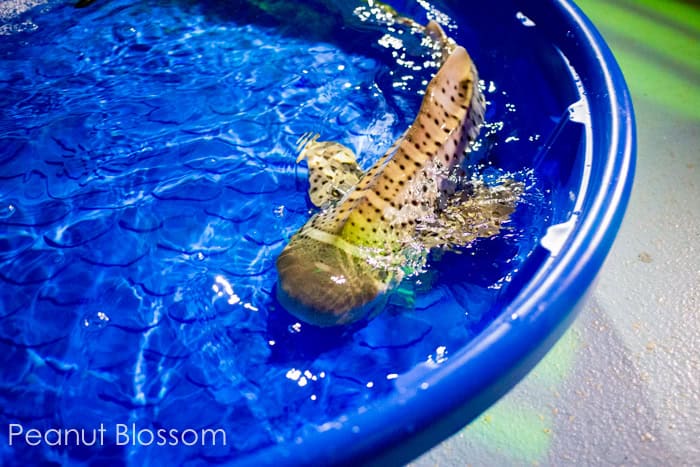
(333, 169)
(479, 211)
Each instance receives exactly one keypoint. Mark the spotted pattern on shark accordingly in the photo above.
(340, 265)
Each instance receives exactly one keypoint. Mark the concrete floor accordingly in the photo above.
(623, 384)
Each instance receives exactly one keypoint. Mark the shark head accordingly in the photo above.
(324, 284)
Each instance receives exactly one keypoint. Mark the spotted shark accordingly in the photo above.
(342, 264)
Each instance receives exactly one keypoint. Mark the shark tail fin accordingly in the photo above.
(333, 169)
(445, 45)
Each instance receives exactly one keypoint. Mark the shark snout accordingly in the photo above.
(323, 284)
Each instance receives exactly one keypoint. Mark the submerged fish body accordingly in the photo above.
(338, 267)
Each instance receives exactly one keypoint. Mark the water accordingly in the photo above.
(147, 185)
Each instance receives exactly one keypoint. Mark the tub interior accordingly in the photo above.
(148, 183)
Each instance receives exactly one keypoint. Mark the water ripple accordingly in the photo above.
(78, 233)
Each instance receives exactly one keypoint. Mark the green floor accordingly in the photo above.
(657, 43)
(623, 385)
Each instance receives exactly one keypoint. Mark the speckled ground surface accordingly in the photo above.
(622, 387)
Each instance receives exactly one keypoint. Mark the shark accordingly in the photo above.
(344, 262)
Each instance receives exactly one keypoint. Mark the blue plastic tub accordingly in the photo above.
(148, 182)
(595, 143)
